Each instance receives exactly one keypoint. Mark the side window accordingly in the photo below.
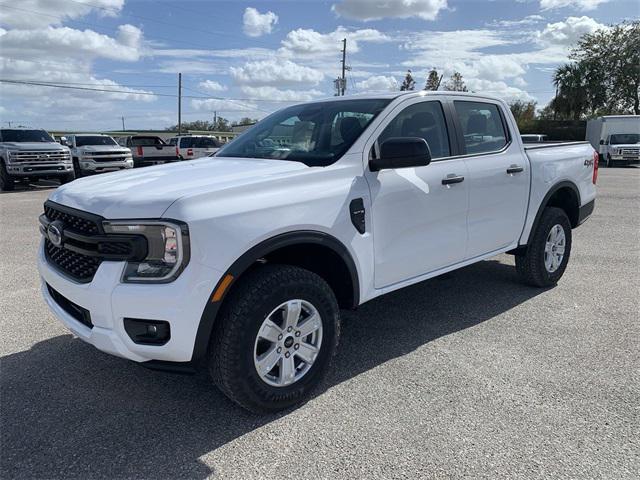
(424, 120)
(173, 141)
(482, 126)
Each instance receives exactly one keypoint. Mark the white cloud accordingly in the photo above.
(308, 42)
(65, 42)
(568, 31)
(366, 10)
(256, 24)
(223, 105)
(378, 83)
(275, 94)
(528, 20)
(499, 89)
(54, 12)
(275, 72)
(211, 86)
(497, 67)
(577, 4)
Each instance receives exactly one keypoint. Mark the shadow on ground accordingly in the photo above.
(69, 410)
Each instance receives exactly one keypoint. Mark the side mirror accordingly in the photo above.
(601, 142)
(402, 152)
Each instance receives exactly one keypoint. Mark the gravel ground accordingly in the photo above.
(470, 374)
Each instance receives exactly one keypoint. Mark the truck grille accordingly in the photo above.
(83, 245)
(53, 156)
(630, 151)
(74, 222)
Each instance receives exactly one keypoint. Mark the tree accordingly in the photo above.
(244, 121)
(604, 75)
(455, 83)
(409, 83)
(433, 80)
(221, 125)
(572, 100)
(523, 111)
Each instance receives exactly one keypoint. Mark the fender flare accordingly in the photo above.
(545, 202)
(256, 252)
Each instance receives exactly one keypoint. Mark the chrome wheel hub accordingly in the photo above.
(288, 343)
(554, 248)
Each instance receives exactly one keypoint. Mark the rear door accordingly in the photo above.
(419, 214)
(498, 175)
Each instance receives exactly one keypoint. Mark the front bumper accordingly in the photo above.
(91, 166)
(33, 169)
(109, 301)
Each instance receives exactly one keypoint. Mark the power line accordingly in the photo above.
(134, 92)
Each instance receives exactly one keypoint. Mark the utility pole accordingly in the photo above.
(344, 66)
(179, 103)
(123, 129)
(215, 119)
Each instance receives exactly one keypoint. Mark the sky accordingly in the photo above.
(247, 59)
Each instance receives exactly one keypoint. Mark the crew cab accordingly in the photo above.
(189, 147)
(95, 153)
(149, 150)
(243, 261)
(28, 154)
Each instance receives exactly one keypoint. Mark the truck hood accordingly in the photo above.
(625, 145)
(33, 146)
(148, 192)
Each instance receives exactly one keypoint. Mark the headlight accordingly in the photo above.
(167, 249)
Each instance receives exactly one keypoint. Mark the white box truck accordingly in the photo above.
(616, 138)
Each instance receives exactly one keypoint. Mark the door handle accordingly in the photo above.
(515, 169)
(452, 178)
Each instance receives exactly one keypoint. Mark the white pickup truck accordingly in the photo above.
(31, 154)
(149, 150)
(245, 259)
(96, 153)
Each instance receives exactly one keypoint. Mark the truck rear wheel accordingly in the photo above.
(547, 254)
(274, 338)
(7, 183)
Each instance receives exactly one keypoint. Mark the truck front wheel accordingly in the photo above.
(69, 177)
(6, 181)
(547, 254)
(274, 338)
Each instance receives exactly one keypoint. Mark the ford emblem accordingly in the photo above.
(54, 233)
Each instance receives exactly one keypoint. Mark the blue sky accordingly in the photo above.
(249, 58)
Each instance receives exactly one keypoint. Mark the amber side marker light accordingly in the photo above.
(222, 287)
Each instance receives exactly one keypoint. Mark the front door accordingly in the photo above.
(419, 214)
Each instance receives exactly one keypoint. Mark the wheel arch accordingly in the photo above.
(564, 195)
(335, 264)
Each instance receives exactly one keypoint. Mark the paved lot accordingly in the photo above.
(468, 375)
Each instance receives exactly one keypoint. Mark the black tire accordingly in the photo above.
(76, 168)
(231, 358)
(531, 265)
(7, 183)
(69, 177)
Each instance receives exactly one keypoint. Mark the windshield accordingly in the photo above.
(25, 136)
(622, 138)
(94, 140)
(316, 134)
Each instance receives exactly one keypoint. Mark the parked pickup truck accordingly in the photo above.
(189, 147)
(28, 154)
(149, 150)
(95, 153)
(245, 259)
